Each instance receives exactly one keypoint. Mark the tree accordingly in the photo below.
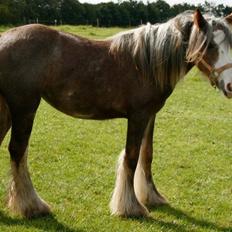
(4, 13)
(153, 13)
(90, 14)
(178, 8)
(122, 13)
(48, 10)
(11, 11)
(72, 12)
(164, 9)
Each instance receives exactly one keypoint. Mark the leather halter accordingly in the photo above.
(214, 73)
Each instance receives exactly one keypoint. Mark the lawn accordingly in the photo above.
(72, 163)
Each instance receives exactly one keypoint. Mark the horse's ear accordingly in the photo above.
(199, 20)
(228, 18)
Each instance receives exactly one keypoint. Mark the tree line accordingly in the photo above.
(122, 13)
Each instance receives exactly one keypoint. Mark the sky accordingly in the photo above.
(171, 2)
(224, 2)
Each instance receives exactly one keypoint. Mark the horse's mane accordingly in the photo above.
(160, 51)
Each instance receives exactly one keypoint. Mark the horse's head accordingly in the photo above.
(223, 39)
(211, 49)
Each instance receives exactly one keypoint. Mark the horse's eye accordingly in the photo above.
(211, 45)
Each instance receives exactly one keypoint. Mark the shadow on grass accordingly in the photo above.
(47, 223)
(187, 221)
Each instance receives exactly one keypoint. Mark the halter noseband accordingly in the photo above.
(214, 73)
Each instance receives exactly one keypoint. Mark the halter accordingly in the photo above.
(214, 73)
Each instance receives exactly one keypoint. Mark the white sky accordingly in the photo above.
(217, 2)
(171, 2)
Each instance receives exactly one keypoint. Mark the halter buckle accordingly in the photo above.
(214, 74)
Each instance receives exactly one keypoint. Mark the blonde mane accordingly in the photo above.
(162, 51)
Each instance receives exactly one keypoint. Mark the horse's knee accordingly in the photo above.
(17, 151)
(21, 131)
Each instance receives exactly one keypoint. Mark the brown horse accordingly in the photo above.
(129, 75)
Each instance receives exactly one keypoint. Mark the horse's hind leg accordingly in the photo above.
(23, 199)
(5, 119)
(145, 189)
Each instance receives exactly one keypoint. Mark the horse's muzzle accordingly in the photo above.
(228, 95)
(226, 88)
(228, 91)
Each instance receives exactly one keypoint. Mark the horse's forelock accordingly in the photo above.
(200, 39)
(198, 42)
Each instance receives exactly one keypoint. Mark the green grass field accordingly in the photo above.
(72, 163)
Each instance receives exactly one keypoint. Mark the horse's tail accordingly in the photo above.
(5, 118)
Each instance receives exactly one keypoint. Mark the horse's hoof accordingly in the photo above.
(29, 209)
(135, 211)
(156, 200)
(37, 211)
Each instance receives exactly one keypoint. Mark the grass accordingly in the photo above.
(72, 164)
(91, 32)
(4, 28)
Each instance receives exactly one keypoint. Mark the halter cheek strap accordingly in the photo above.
(214, 73)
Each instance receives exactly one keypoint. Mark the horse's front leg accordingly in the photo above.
(124, 202)
(145, 189)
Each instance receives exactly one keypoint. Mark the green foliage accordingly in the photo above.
(72, 12)
(72, 163)
(123, 13)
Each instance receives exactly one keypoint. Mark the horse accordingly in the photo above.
(129, 75)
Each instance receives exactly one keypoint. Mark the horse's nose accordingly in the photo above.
(228, 90)
(229, 87)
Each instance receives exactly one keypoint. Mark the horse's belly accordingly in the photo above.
(86, 109)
